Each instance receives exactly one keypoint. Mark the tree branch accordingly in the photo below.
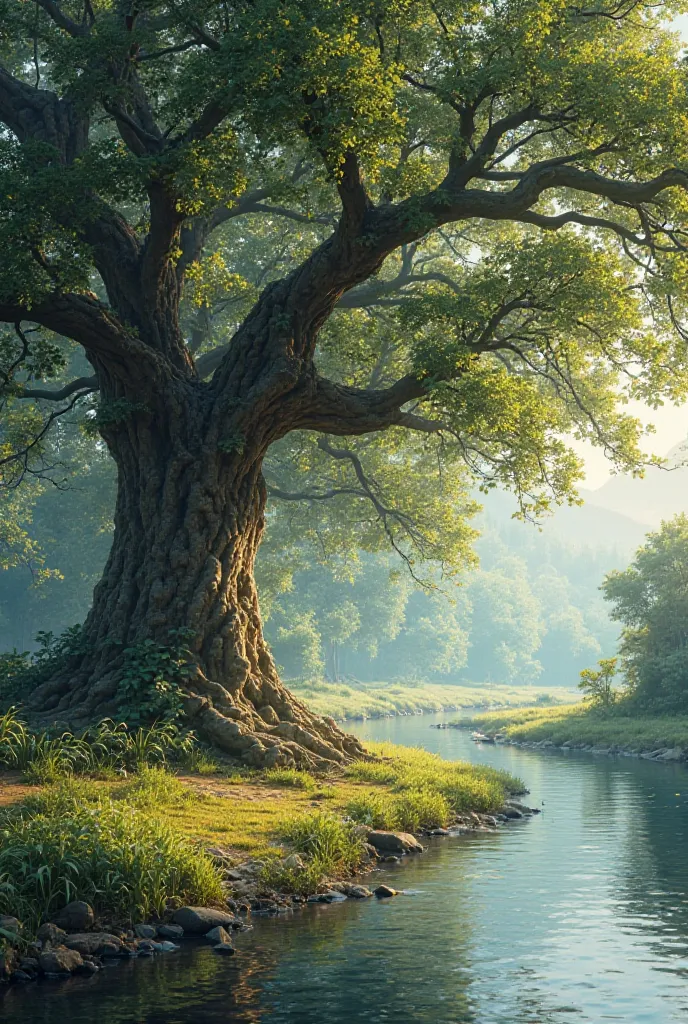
(87, 321)
(62, 20)
(85, 385)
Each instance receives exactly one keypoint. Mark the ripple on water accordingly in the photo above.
(580, 914)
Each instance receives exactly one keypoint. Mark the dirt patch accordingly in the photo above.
(233, 790)
(12, 789)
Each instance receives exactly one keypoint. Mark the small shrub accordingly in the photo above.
(302, 882)
(410, 811)
(332, 846)
(420, 809)
(376, 810)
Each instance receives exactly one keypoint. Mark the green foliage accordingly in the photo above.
(117, 858)
(20, 673)
(152, 680)
(598, 685)
(104, 749)
(411, 811)
(330, 844)
(270, 99)
(650, 599)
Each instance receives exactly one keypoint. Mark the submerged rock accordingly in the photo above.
(351, 890)
(224, 949)
(219, 935)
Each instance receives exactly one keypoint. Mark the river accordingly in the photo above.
(577, 915)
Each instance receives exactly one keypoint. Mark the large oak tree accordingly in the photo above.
(505, 181)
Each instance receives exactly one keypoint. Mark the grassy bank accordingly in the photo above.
(580, 725)
(372, 700)
(138, 844)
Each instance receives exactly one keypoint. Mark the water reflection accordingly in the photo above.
(580, 914)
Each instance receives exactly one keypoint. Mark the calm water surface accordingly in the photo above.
(578, 915)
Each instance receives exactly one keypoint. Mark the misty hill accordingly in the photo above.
(660, 494)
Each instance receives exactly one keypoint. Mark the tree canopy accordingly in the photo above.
(349, 256)
(650, 599)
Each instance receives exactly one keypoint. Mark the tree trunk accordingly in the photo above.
(188, 523)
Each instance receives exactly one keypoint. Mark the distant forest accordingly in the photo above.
(530, 612)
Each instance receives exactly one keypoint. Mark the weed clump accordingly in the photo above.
(63, 846)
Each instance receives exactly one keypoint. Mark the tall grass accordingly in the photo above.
(428, 785)
(331, 847)
(106, 749)
(121, 860)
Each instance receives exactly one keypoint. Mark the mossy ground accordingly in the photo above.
(582, 724)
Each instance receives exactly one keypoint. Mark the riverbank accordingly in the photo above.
(581, 727)
(237, 843)
(355, 702)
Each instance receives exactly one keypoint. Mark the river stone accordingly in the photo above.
(94, 943)
(224, 949)
(351, 890)
(394, 842)
(145, 931)
(293, 862)
(383, 891)
(59, 961)
(218, 935)
(199, 920)
(512, 813)
(50, 935)
(170, 931)
(673, 754)
(75, 917)
(20, 976)
(10, 924)
(355, 892)
(88, 967)
(331, 896)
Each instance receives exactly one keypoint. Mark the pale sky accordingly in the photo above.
(671, 423)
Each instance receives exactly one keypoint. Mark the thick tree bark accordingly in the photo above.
(188, 523)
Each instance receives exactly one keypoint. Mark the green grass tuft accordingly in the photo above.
(290, 777)
(60, 848)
